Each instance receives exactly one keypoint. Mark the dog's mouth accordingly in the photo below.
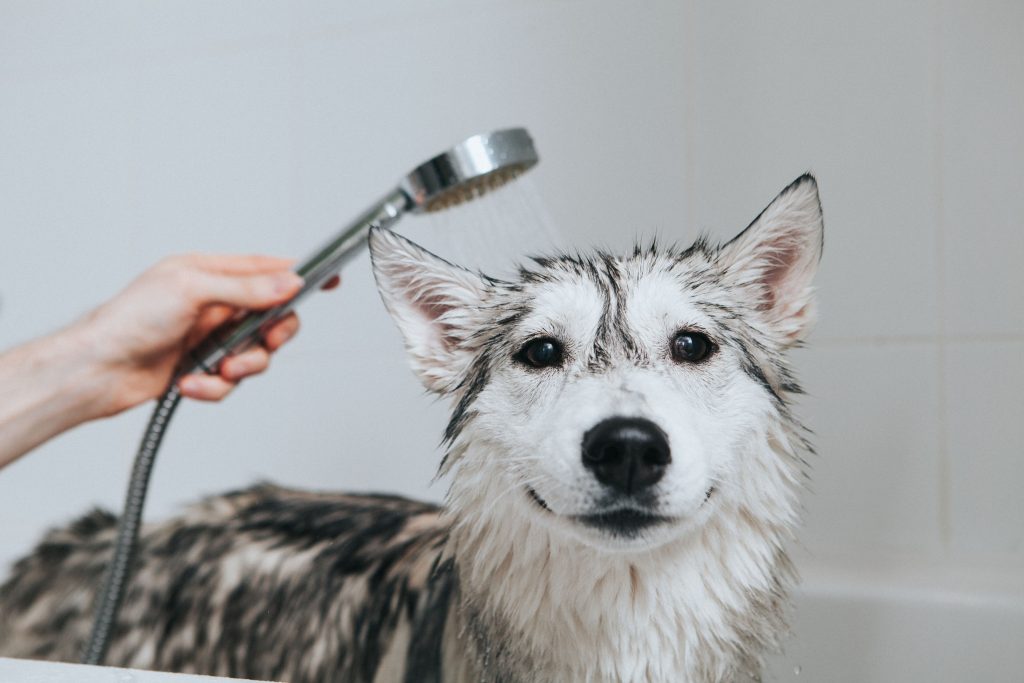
(625, 522)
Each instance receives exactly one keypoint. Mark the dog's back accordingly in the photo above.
(263, 583)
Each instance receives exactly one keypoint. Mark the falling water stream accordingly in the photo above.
(494, 233)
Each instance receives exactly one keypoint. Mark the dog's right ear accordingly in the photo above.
(434, 303)
(776, 258)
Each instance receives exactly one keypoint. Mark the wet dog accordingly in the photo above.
(624, 469)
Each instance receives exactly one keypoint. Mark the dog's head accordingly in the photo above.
(618, 400)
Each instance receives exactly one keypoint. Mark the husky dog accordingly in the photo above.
(624, 470)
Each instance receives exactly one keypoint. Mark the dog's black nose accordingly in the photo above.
(628, 454)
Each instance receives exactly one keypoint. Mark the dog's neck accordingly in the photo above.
(701, 608)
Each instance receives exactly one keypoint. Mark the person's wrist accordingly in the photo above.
(87, 379)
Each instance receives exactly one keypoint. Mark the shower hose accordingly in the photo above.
(119, 570)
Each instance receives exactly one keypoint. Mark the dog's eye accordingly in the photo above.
(691, 347)
(541, 353)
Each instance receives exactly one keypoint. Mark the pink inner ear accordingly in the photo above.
(781, 261)
(433, 307)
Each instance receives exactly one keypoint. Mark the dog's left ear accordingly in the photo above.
(434, 304)
(777, 256)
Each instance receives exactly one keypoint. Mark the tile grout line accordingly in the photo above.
(938, 127)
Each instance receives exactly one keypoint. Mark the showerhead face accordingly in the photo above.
(471, 168)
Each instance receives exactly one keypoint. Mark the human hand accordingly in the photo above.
(139, 337)
(126, 351)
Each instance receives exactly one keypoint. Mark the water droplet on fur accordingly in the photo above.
(797, 669)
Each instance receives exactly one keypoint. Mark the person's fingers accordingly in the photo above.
(281, 332)
(210, 318)
(235, 264)
(249, 362)
(205, 387)
(244, 291)
(332, 283)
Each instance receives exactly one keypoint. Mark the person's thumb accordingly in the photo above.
(245, 291)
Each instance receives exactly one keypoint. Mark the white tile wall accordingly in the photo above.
(875, 481)
(128, 131)
(573, 71)
(65, 177)
(983, 176)
(985, 415)
(843, 90)
(209, 139)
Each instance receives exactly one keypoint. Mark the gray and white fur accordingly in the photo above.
(624, 474)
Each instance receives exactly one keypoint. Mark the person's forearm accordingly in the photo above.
(46, 387)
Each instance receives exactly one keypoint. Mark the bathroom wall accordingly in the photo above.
(133, 130)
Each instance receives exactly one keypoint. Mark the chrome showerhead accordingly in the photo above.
(471, 168)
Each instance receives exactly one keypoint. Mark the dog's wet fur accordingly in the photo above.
(624, 469)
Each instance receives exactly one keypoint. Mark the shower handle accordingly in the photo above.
(325, 263)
